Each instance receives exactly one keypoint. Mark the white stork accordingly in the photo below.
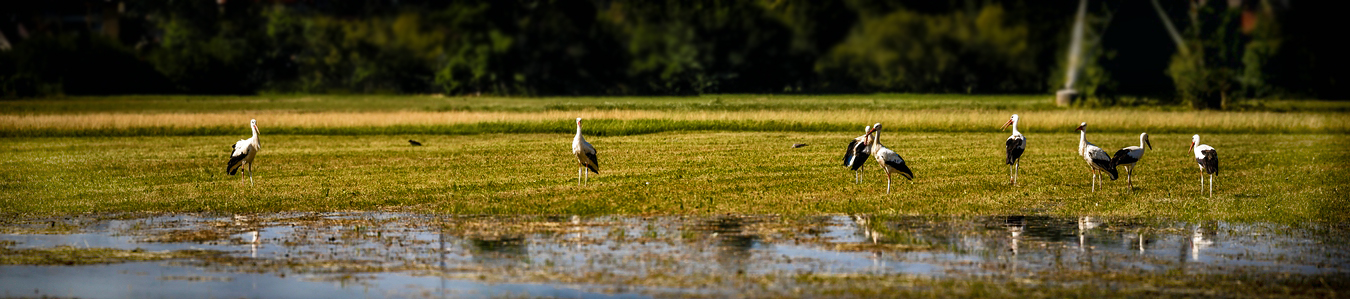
(1016, 145)
(1097, 159)
(1130, 155)
(887, 158)
(856, 155)
(244, 152)
(1208, 160)
(585, 156)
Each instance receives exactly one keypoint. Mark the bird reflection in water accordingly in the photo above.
(1200, 239)
(1014, 225)
(865, 230)
(1134, 240)
(253, 244)
(1085, 224)
(864, 223)
(247, 223)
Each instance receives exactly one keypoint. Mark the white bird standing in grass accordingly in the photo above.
(244, 152)
(856, 155)
(1208, 159)
(1016, 144)
(585, 156)
(888, 159)
(1130, 155)
(1097, 159)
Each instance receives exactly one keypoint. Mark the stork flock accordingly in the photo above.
(1100, 164)
(869, 144)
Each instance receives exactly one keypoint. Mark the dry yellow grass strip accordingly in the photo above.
(1031, 121)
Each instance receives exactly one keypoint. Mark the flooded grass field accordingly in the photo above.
(295, 255)
(704, 197)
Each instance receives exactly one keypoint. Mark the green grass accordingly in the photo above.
(1264, 177)
(659, 155)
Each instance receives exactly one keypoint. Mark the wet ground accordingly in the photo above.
(412, 255)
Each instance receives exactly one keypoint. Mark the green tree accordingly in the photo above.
(1207, 72)
(208, 48)
(954, 52)
(689, 47)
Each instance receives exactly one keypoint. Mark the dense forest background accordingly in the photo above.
(1222, 49)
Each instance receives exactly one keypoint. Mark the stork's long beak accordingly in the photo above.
(1192, 146)
(1149, 143)
(1080, 128)
(1005, 125)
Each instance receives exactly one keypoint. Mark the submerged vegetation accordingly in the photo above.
(71, 256)
(698, 256)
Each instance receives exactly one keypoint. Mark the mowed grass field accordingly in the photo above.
(666, 156)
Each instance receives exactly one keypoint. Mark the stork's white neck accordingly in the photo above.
(578, 129)
(255, 134)
(877, 138)
(1141, 142)
(1082, 139)
(1195, 147)
(1015, 132)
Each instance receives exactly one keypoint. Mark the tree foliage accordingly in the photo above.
(955, 52)
(1207, 73)
(588, 47)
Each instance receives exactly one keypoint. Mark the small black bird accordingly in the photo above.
(798, 145)
(414, 142)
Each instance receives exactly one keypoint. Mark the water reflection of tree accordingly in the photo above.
(501, 250)
(733, 241)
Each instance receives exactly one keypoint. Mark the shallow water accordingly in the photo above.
(414, 255)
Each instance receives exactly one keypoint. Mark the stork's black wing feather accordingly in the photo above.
(1015, 149)
(1106, 164)
(860, 154)
(1211, 161)
(848, 153)
(900, 166)
(232, 167)
(594, 166)
(1122, 157)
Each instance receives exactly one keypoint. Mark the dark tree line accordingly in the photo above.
(619, 47)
